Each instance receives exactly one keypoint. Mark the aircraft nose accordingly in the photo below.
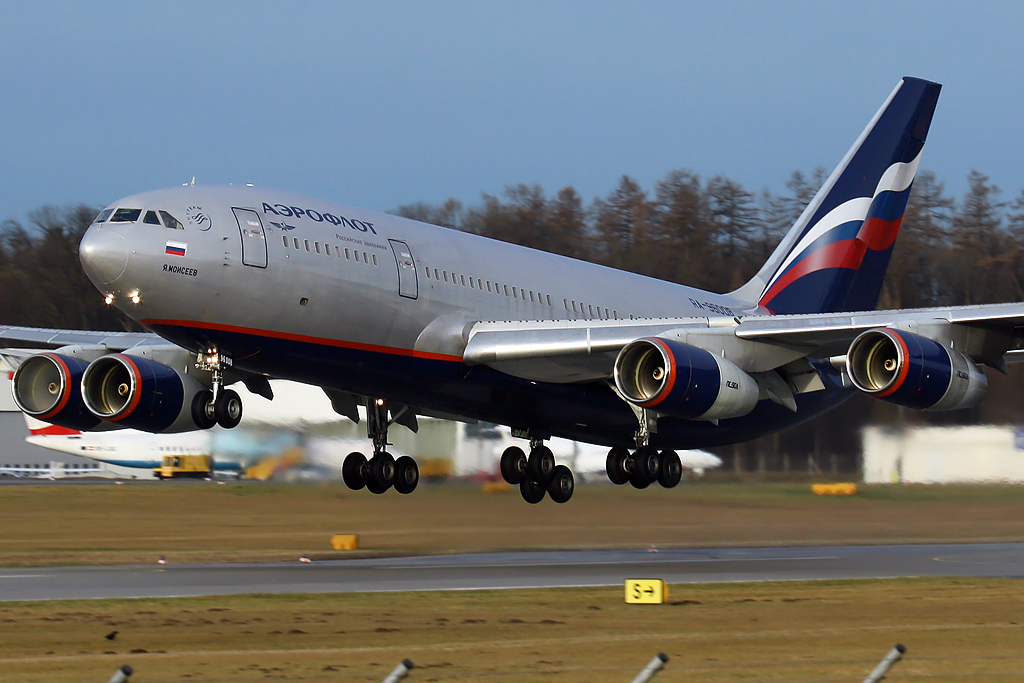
(104, 254)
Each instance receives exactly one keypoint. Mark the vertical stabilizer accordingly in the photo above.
(835, 256)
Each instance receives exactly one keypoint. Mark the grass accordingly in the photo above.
(106, 524)
(954, 629)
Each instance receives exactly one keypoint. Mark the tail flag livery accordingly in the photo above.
(835, 256)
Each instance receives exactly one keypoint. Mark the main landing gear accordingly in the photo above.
(382, 471)
(646, 464)
(537, 474)
(643, 467)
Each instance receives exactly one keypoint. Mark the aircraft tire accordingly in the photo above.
(671, 469)
(203, 410)
(407, 475)
(541, 465)
(562, 484)
(513, 465)
(531, 491)
(382, 473)
(228, 409)
(352, 470)
(647, 461)
(615, 465)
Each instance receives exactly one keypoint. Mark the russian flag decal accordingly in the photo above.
(176, 248)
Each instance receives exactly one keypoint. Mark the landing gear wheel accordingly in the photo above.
(562, 484)
(671, 469)
(615, 465)
(407, 474)
(228, 409)
(352, 470)
(531, 491)
(381, 473)
(203, 413)
(513, 465)
(541, 465)
(647, 464)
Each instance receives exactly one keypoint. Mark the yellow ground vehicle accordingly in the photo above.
(174, 466)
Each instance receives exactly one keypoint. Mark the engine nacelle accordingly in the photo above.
(141, 394)
(681, 380)
(47, 387)
(914, 371)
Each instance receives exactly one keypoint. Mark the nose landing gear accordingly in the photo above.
(537, 474)
(216, 406)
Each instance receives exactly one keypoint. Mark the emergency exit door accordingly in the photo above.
(408, 285)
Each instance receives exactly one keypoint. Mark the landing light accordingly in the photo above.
(134, 297)
(108, 299)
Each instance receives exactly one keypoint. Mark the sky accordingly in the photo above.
(389, 103)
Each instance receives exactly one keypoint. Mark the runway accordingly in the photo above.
(514, 570)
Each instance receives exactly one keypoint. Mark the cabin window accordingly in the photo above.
(348, 255)
(285, 238)
(463, 279)
(549, 298)
(296, 241)
(488, 286)
(374, 256)
(306, 242)
(445, 274)
(506, 290)
(317, 246)
(427, 271)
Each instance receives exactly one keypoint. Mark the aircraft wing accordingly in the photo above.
(114, 341)
(585, 350)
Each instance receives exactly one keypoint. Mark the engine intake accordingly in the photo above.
(139, 393)
(682, 380)
(47, 387)
(914, 371)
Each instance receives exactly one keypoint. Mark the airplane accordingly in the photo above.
(245, 284)
(128, 448)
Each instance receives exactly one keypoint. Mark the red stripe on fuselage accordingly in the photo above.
(323, 341)
(54, 430)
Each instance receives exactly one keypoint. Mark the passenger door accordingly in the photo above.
(408, 285)
(254, 240)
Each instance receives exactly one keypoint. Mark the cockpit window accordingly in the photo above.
(171, 222)
(126, 215)
(151, 218)
(104, 215)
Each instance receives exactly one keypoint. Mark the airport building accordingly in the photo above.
(943, 455)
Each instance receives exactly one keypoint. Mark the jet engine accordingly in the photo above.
(914, 371)
(142, 394)
(681, 380)
(47, 386)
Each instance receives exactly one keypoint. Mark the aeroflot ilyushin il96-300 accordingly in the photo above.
(245, 284)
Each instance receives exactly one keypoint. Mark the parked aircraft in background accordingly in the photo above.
(244, 284)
